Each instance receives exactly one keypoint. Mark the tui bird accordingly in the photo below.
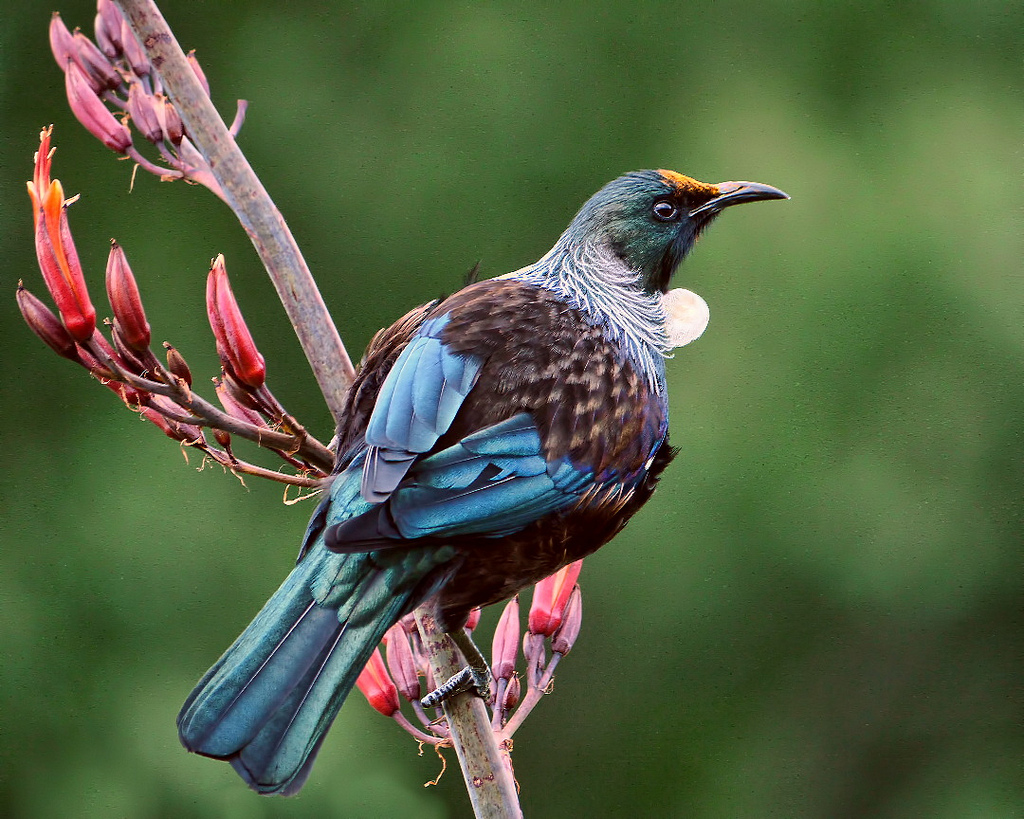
(489, 440)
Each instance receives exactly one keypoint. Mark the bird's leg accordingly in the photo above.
(476, 675)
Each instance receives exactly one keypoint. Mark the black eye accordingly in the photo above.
(665, 211)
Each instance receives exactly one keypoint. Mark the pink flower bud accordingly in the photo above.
(92, 113)
(143, 111)
(108, 28)
(125, 301)
(402, 663)
(170, 122)
(46, 325)
(62, 44)
(134, 53)
(377, 687)
(474, 619)
(235, 344)
(550, 597)
(102, 75)
(198, 71)
(505, 647)
(565, 635)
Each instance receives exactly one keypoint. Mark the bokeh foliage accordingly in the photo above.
(819, 613)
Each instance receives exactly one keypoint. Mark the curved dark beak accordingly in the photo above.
(735, 193)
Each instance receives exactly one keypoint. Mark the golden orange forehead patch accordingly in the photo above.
(687, 184)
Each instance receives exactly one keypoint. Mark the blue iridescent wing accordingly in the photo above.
(493, 482)
(416, 404)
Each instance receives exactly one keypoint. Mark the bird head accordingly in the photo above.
(651, 219)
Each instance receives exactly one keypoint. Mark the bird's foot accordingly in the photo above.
(469, 679)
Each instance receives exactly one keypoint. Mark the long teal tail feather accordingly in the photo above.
(267, 703)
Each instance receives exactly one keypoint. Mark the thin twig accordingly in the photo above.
(208, 415)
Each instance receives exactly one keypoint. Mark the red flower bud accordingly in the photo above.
(474, 619)
(92, 113)
(505, 647)
(550, 597)
(565, 635)
(402, 663)
(235, 344)
(377, 687)
(55, 249)
(125, 301)
(46, 325)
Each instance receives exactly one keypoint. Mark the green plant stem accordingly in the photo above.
(251, 203)
(486, 766)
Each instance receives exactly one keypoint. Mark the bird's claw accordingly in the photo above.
(469, 679)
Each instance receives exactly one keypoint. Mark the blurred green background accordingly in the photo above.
(819, 613)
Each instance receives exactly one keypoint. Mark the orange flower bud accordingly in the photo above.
(125, 301)
(377, 687)
(55, 249)
(550, 597)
